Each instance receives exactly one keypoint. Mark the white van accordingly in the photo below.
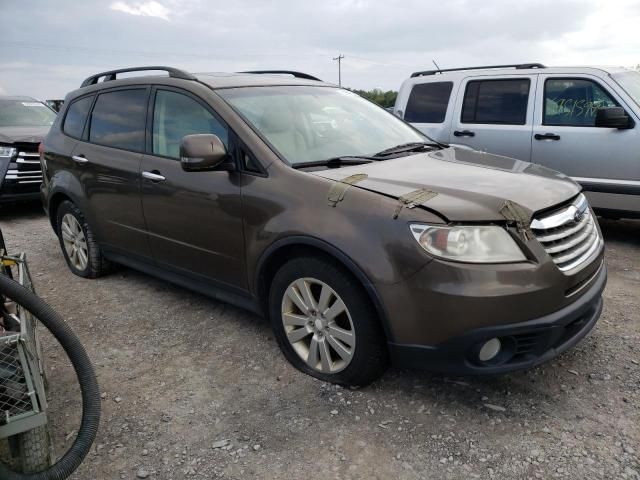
(582, 121)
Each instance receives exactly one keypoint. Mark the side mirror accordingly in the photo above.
(613, 117)
(202, 152)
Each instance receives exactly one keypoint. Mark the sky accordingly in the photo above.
(48, 47)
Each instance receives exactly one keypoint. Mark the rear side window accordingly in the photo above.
(428, 102)
(574, 102)
(501, 102)
(77, 116)
(118, 119)
(176, 115)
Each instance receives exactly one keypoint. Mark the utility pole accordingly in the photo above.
(339, 59)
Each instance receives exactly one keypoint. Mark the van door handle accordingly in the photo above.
(80, 159)
(464, 133)
(546, 136)
(154, 176)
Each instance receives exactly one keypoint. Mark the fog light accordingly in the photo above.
(490, 349)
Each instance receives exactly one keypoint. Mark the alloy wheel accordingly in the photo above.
(75, 243)
(318, 325)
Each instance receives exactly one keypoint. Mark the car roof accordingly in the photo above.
(214, 80)
(461, 73)
(19, 98)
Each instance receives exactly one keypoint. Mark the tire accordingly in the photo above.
(355, 331)
(33, 451)
(95, 265)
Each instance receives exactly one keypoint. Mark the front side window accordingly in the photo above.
(574, 102)
(25, 113)
(428, 102)
(77, 116)
(502, 102)
(118, 119)
(176, 115)
(307, 124)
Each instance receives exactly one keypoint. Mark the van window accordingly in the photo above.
(501, 102)
(77, 116)
(176, 115)
(118, 119)
(428, 102)
(574, 102)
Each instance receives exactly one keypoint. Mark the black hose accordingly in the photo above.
(86, 378)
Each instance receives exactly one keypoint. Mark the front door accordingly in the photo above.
(565, 138)
(495, 115)
(194, 219)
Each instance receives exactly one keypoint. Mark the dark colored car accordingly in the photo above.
(24, 122)
(360, 238)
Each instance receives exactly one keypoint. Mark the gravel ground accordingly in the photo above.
(197, 389)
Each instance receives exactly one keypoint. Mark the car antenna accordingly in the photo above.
(434, 62)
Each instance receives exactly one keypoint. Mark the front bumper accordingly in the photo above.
(525, 344)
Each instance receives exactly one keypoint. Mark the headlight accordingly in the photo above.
(7, 151)
(474, 244)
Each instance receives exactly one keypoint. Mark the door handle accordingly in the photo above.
(546, 136)
(80, 159)
(464, 133)
(153, 176)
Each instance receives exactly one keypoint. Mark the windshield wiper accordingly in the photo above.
(337, 161)
(405, 147)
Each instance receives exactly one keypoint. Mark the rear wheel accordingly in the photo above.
(325, 324)
(78, 244)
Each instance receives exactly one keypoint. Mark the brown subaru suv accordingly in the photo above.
(362, 240)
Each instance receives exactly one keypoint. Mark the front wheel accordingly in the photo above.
(325, 324)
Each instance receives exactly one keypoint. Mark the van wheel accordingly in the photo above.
(78, 244)
(325, 324)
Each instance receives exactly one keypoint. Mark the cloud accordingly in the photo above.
(145, 9)
(383, 42)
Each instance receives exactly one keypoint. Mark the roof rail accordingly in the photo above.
(305, 76)
(111, 74)
(517, 66)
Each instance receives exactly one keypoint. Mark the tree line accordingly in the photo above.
(384, 99)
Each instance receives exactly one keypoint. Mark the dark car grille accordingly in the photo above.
(570, 235)
(25, 168)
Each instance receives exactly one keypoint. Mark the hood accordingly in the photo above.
(469, 185)
(23, 134)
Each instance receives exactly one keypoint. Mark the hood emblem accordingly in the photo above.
(577, 217)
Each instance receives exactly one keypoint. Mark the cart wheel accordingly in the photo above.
(35, 449)
(32, 453)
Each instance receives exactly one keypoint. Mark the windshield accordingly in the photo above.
(630, 82)
(22, 113)
(309, 124)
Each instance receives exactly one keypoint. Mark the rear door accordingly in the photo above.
(604, 160)
(194, 219)
(428, 109)
(107, 163)
(495, 114)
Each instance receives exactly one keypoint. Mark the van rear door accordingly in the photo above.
(495, 114)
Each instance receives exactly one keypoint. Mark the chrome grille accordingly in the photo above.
(570, 235)
(25, 166)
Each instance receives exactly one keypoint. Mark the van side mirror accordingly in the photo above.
(613, 117)
(203, 152)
